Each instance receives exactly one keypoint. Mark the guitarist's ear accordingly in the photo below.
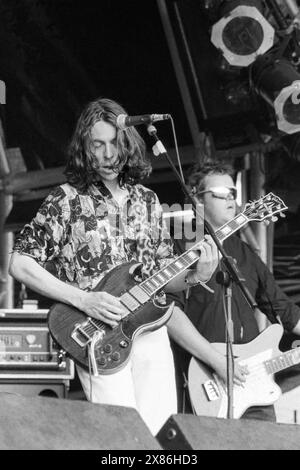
(194, 191)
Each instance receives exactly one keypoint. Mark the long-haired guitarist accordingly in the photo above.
(214, 187)
(100, 218)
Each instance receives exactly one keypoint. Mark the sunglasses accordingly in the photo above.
(221, 192)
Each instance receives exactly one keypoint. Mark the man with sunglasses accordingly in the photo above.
(214, 188)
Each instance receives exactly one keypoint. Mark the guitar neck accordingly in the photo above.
(283, 361)
(162, 277)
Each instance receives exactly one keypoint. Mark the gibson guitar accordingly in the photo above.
(208, 393)
(96, 345)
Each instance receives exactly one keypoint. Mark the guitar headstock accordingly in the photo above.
(265, 208)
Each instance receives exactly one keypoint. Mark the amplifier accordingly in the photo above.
(27, 349)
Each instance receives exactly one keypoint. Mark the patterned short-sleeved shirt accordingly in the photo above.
(79, 237)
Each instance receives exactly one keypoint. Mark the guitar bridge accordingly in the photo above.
(212, 390)
(80, 337)
(82, 333)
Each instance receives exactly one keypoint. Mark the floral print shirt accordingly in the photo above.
(79, 237)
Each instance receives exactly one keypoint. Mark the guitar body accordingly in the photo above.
(110, 347)
(208, 393)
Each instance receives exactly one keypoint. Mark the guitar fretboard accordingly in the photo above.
(285, 360)
(158, 280)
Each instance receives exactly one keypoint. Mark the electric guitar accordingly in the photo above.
(94, 344)
(208, 393)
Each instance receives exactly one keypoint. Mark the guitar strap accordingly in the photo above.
(276, 318)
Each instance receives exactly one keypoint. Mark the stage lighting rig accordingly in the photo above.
(278, 82)
(242, 32)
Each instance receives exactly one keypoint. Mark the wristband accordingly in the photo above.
(191, 283)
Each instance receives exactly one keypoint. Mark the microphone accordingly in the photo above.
(123, 120)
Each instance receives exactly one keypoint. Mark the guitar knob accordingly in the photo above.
(116, 356)
(102, 361)
(30, 339)
(108, 348)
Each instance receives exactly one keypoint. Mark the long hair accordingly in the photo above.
(81, 168)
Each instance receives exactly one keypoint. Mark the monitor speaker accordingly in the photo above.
(40, 423)
(186, 432)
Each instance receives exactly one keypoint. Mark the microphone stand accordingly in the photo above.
(225, 280)
(231, 268)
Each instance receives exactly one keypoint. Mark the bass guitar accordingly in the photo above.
(208, 393)
(94, 344)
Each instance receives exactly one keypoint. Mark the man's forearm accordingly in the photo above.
(26, 270)
(184, 333)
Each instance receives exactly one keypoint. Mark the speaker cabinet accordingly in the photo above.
(34, 389)
(39, 423)
(186, 432)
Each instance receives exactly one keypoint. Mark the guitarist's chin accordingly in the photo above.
(224, 217)
(229, 214)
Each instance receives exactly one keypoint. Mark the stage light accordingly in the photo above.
(243, 32)
(278, 82)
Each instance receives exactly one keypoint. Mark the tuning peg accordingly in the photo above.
(266, 222)
(282, 215)
(274, 218)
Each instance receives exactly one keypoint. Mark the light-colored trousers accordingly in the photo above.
(146, 383)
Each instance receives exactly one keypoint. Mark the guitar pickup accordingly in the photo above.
(212, 390)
